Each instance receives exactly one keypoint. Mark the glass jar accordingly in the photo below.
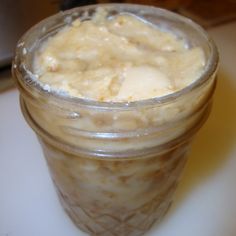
(115, 165)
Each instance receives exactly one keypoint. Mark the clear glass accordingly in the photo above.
(115, 165)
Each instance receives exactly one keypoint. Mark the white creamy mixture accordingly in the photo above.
(117, 59)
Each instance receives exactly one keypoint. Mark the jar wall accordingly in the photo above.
(115, 197)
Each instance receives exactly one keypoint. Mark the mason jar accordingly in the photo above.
(115, 165)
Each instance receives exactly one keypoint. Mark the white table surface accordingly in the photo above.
(205, 202)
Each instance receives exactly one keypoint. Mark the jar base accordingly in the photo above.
(96, 225)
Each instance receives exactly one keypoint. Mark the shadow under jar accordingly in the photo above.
(115, 165)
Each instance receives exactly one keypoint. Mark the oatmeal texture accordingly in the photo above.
(119, 59)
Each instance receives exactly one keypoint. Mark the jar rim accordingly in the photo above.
(209, 70)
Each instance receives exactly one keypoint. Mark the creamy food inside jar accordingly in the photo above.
(115, 158)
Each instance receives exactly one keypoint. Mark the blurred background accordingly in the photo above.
(17, 16)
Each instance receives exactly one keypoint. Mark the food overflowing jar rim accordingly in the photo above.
(19, 68)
